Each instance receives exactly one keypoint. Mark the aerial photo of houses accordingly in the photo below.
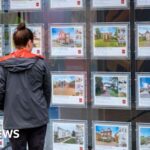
(109, 86)
(144, 36)
(113, 136)
(69, 133)
(145, 138)
(110, 36)
(66, 37)
(67, 85)
(144, 87)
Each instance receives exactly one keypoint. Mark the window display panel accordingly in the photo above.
(38, 38)
(109, 4)
(25, 5)
(111, 90)
(0, 5)
(1, 40)
(143, 90)
(143, 40)
(67, 41)
(110, 41)
(111, 135)
(68, 89)
(143, 134)
(66, 4)
(142, 3)
(68, 135)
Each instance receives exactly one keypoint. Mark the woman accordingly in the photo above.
(25, 89)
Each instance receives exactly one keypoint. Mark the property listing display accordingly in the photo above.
(111, 90)
(143, 40)
(110, 40)
(67, 41)
(143, 90)
(143, 136)
(66, 3)
(111, 136)
(142, 3)
(68, 88)
(109, 4)
(1, 40)
(25, 4)
(38, 38)
(68, 135)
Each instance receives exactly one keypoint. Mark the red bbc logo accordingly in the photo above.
(38, 51)
(123, 51)
(80, 100)
(124, 101)
(79, 51)
(78, 2)
(122, 1)
(37, 4)
(81, 148)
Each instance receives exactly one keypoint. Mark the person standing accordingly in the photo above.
(25, 92)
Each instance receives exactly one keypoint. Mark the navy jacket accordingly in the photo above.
(25, 89)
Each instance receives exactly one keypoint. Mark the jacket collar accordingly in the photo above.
(21, 53)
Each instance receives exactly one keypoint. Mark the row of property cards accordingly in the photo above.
(26, 5)
(108, 90)
(108, 40)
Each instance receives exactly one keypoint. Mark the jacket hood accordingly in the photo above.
(18, 64)
(19, 60)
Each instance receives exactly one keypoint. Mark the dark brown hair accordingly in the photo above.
(22, 35)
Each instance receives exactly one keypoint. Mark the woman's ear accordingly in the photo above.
(29, 45)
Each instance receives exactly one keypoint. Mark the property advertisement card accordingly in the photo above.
(111, 90)
(143, 137)
(142, 3)
(110, 40)
(67, 41)
(109, 3)
(66, 3)
(67, 135)
(143, 40)
(1, 40)
(25, 4)
(38, 38)
(68, 89)
(143, 90)
(111, 136)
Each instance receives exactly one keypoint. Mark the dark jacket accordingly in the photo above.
(25, 89)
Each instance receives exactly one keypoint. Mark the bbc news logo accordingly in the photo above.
(9, 134)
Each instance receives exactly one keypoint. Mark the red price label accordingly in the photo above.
(122, 1)
(123, 51)
(124, 101)
(80, 100)
(38, 51)
(81, 148)
(79, 51)
(37, 4)
(78, 2)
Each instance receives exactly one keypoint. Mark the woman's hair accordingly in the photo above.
(22, 35)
